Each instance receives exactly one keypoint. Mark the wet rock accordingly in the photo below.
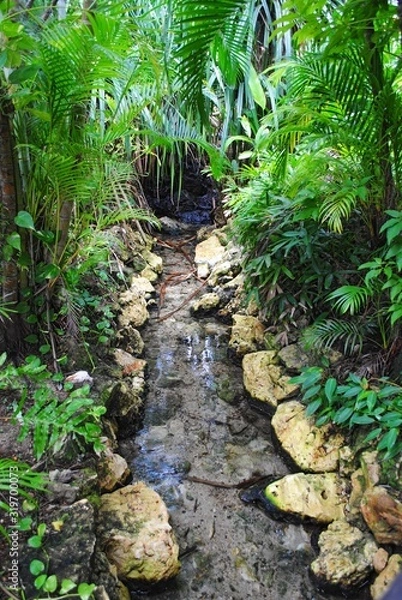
(133, 309)
(384, 580)
(247, 335)
(314, 449)
(317, 497)
(294, 358)
(136, 536)
(206, 304)
(264, 380)
(346, 556)
(207, 254)
(383, 514)
(113, 471)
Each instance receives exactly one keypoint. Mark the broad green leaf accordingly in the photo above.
(85, 590)
(39, 581)
(24, 220)
(330, 388)
(343, 415)
(257, 91)
(36, 567)
(14, 240)
(50, 584)
(66, 586)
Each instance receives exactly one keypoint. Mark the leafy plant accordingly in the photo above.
(51, 417)
(358, 402)
(17, 480)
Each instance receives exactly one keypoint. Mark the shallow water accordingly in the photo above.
(198, 424)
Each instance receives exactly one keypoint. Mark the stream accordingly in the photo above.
(199, 431)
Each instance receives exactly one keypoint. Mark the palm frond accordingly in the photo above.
(330, 333)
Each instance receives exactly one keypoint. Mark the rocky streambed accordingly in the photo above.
(215, 485)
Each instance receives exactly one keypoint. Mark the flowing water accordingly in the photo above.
(200, 441)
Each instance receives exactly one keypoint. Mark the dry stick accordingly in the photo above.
(237, 486)
(179, 277)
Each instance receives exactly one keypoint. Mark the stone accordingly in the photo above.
(318, 497)
(206, 304)
(346, 556)
(313, 449)
(142, 285)
(383, 514)
(380, 560)
(247, 335)
(264, 380)
(129, 364)
(124, 405)
(113, 470)
(135, 534)
(133, 309)
(153, 261)
(207, 254)
(131, 339)
(385, 579)
(71, 546)
(294, 358)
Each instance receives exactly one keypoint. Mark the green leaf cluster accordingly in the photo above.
(358, 402)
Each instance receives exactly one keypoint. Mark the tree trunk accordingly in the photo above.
(9, 328)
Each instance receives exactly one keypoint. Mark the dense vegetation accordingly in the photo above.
(296, 109)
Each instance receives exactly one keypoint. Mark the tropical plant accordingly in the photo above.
(358, 402)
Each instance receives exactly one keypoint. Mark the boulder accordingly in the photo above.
(383, 514)
(294, 358)
(319, 497)
(206, 304)
(133, 309)
(384, 580)
(135, 534)
(346, 556)
(142, 285)
(124, 404)
(153, 261)
(247, 335)
(113, 470)
(207, 254)
(264, 379)
(314, 449)
(131, 339)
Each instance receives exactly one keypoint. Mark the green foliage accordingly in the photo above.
(51, 416)
(358, 402)
(17, 480)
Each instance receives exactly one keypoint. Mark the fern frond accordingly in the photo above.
(332, 332)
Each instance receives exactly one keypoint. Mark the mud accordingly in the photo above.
(199, 433)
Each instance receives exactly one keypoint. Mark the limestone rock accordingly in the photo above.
(314, 449)
(133, 309)
(384, 580)
(136, 536)
(207, 254)
(129, 364)
(130, 338)
(294, 358)
(346, 556)
(125, 403)
(153, 261)
(317, 497)
(383, 515)
(142, 285)
(113, 470)
(206, 304)
(264, 380)
(247, 335)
